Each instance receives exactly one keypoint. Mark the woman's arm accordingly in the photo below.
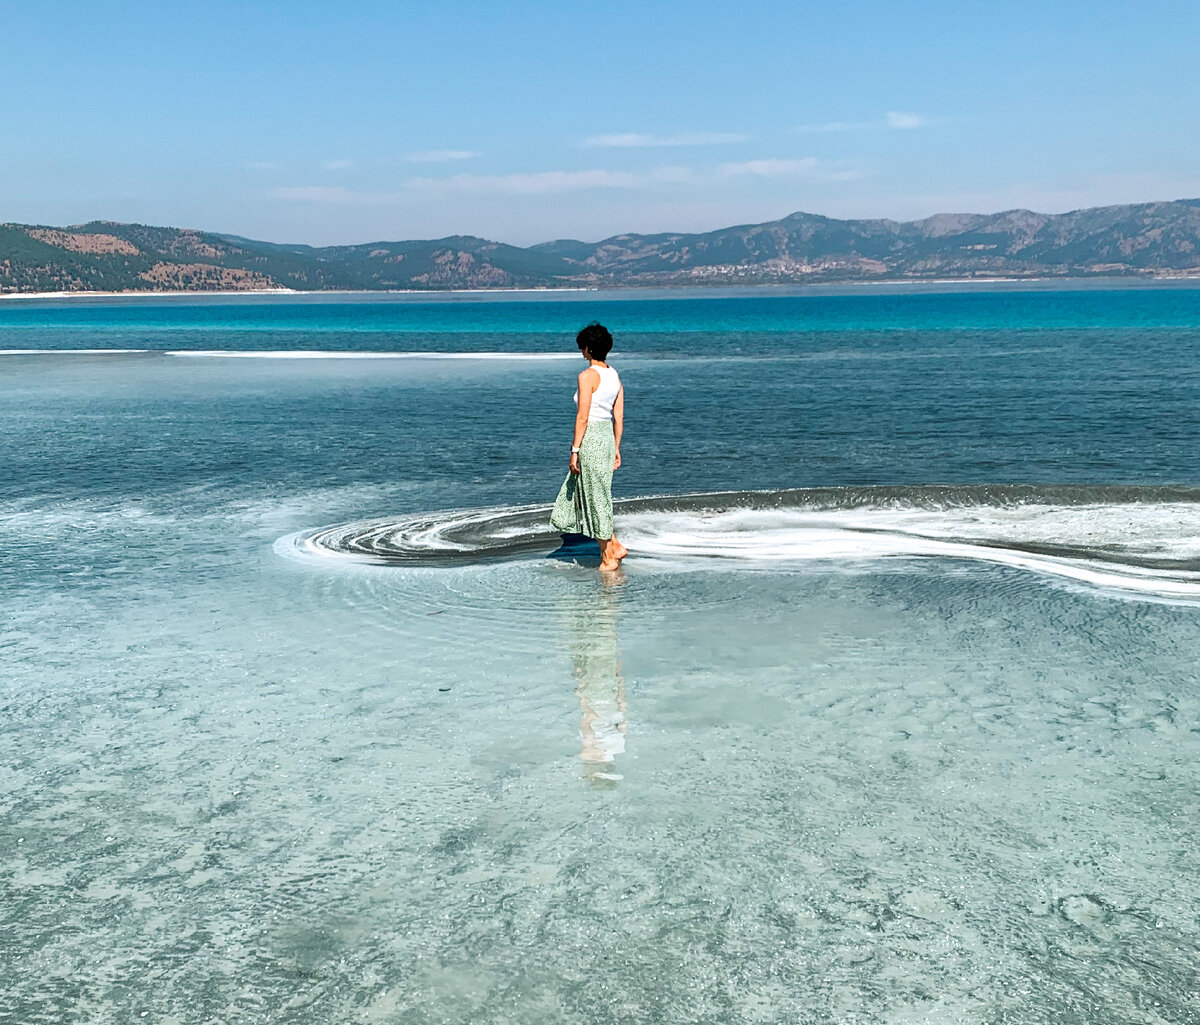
(589, 381)
(618, 423)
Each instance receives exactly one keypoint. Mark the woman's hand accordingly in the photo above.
(617, 461)
(574, 462)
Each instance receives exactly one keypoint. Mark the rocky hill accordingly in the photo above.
(1142, 239)
(1149, 238)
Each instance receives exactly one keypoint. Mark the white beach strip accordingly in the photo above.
(68, 352)
(233, 293)
(155, 294)
(335, 354)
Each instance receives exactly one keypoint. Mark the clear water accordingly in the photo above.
(307, 718)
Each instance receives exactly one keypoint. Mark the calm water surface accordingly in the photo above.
(308, 720)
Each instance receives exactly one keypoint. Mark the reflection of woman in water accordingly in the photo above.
(600, 689)
(584, 503)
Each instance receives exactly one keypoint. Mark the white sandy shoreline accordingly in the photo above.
(233, 293)
(136, 295)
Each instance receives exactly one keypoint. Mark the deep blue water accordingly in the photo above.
(348, 322)
(924, 749)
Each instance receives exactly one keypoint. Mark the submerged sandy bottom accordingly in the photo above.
(287, 791)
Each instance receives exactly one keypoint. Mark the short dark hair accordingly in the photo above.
(595, 341)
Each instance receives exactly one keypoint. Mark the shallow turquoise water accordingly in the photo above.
(879, 754)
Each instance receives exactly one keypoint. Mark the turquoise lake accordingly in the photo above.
(893, 715)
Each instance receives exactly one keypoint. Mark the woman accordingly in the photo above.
(584, 503)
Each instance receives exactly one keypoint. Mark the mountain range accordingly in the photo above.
(1145, 239)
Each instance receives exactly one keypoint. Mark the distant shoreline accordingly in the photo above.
(163, 294)
(633, 291)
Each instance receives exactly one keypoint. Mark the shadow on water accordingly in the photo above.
(599, 684)
(577, 548)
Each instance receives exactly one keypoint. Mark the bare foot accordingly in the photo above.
(607, 565)
(619, 550)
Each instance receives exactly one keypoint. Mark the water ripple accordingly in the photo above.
(1141, 541)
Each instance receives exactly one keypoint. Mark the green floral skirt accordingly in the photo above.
(584, 503)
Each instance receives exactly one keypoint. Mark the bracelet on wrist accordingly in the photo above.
(574, 448)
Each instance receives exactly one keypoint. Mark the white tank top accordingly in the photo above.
(604, 396)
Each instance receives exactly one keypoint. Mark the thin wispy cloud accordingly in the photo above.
(836, 126)
(770, 168)
(442, 156)
(533, 183)
(337, 165)
(900, 119)
(539, 183)
(325, 194)
(638, 140)
(549, 183)
(904, 119)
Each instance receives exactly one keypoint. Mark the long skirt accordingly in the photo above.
(584, 503)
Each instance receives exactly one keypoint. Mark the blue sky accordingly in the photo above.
(527, 121)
